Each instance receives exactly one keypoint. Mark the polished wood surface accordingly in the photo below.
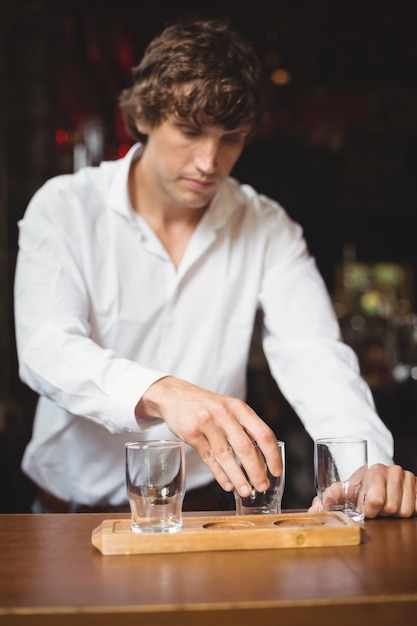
(51, 575)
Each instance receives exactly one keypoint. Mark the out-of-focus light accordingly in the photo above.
(123, 149)
(402, 372)
(372, 302)
(357, 322)
(280, 77)
(61, 136)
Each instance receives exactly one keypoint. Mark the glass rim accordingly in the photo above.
(153, 443)
(335, 440)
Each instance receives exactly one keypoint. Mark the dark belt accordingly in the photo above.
(56, 505)
(211, 497)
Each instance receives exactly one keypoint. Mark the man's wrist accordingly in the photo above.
(149, 405)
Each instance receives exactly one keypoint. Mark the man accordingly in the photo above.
(137, 285)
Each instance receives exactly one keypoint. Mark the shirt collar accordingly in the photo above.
(119, 190)
(228, 199)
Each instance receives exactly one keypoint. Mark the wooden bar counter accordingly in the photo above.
(52, 575)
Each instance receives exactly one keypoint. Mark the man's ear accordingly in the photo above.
(143, 127)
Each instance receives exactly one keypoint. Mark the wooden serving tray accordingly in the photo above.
(228, 532)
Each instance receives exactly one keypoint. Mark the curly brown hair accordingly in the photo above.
(200, 71)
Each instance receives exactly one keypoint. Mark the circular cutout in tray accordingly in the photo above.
(225, 525)
(297, 522)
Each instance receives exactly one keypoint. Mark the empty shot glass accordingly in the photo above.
(340, 470)
(155, 481)
(263, 502)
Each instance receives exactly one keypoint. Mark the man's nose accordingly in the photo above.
(207, 155)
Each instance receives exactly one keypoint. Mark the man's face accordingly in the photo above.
(188, 162)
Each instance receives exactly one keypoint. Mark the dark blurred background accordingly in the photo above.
(339, 152)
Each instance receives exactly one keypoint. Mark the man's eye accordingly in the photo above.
(233, 138)
(189, 131)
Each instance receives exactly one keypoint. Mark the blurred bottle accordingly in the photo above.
(367, 310)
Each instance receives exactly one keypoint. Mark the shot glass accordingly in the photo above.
(155, 481)
(340, 469)
(263, 502)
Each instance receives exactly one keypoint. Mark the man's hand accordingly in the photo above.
(390, 491)
(222, 429)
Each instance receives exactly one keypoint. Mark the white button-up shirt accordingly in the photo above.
(101, 313)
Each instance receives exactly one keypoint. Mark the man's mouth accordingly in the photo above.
(199, 184)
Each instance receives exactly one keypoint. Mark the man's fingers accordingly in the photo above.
(315, 505)
(235, 460)
(408, 506)
(265, 438)
(232, 448)
(240, 461)
(394, 491)
(391, 491)
(222, 429)
(401, 493)
(222, 463)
